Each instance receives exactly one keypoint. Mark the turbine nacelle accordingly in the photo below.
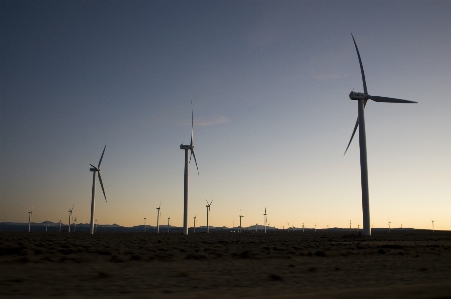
(357, 95)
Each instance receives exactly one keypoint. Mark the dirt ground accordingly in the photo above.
(411, 264)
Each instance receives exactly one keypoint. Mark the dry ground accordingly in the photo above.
(411, 264)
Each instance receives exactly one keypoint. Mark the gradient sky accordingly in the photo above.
(269, 82)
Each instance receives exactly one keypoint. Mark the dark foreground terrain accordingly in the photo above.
(414, 264)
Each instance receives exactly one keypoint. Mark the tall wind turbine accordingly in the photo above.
(29, 219)
(362, 98)
(208, 210)
(433, 225)
(187, 148)
(158, 218)
(144, 224)
(94, 170)
(389, 224)
(70, 214)
(264, 219)
(241, 216)
(169, 218)
(75, 224)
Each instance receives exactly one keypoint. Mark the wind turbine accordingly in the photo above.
(241, 216)
(144, 224)
(264, 219)
(70, 214)
(362, 98)
(208, 210)
(194, 223)
(97, 226)
(302, 226)
(432, 225)
(158, 218)
(94, 170)
(389, 224)
(60, 225)
(46, 225)
(29, 219)
(288, 227)
(189, 147)
(349, 225)
(315, 227)
(75, 224)
(169, 218)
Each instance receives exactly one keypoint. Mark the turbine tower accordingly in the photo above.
(241, 216)
(29, 219)
(60, 225)
(75, 224)
(158, 218)
(389, 224)
(169, 218)
(432, 225)
(187, 148)
(264, 219)
(70, 214)
(144, 224)
(362, 98)
(94, 170)
(208, 210)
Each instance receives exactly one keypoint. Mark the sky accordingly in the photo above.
(269, 83)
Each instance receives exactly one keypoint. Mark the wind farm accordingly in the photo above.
(275, 86)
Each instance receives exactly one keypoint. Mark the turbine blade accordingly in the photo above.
(101, 184)
(352, 136)
(192, 153)
(389, 100)
(361, 67)
(101, 156)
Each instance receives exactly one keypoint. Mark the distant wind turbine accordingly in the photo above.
(75, 224)
(264, 219)
(97, 226)
(349, 225)
(46, 226)
(29, 219)
(303, 227)
(432, 225)
(241, 216)
(144, 224)
(158, 218)
(169, 218)
(208, 210)
(189, 147)
(94, 170)
(60, 225)
(389, 224)
(70, 214)
(362, 99)
(194, 223)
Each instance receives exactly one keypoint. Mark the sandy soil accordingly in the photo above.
(249, 265)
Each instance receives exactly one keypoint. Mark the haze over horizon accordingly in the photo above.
(269, 82)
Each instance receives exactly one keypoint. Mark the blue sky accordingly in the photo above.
(269, 82)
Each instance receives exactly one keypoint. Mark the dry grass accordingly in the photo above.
(283, 265)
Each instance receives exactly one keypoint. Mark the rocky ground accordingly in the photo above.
(411, 264)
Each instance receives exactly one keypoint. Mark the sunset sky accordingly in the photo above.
(269, 82)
